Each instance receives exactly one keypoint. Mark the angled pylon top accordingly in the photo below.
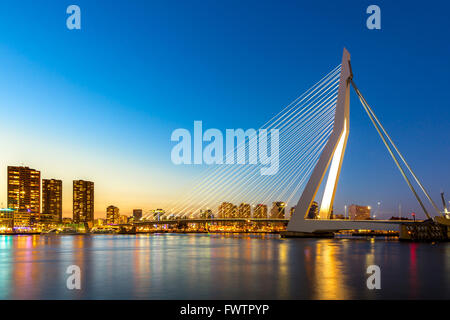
(333, 153)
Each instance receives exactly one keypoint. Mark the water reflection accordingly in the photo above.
(219, 266)
(327, 271)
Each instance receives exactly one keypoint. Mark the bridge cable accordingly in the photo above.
(375, 123)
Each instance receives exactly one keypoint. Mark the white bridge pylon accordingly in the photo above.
(331, 160)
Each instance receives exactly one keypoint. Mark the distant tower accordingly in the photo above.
(52, 198)
(83, 201)
(137, 214)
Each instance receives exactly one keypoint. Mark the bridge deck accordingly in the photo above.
(175, 221)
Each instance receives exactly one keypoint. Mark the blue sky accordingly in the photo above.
(100, 103)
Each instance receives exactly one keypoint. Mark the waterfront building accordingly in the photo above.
(48, 218)
(22, 220)
(244, 210)
(359, 212)
(99, 222)
(227, 210)
(313, 210)
(83, 201)
(277, 211)
(137, 214)
(24, 191)
(112, 215)
(206, 214)
(52, 200)
(6, 218)
(260, 211)
(123, 219)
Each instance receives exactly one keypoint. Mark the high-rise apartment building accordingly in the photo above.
(227, 210)
(260, 211)
(244, 210)
(277, 211)
(83, 201)
(112, 215)
(52, 199)
(24, 191)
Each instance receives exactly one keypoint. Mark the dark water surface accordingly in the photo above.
(177, 266)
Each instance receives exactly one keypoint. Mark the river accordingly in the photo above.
(220, 266)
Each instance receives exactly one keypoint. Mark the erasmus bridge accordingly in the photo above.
(313, 133)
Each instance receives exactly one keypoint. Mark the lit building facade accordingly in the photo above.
(6, 219)
(260, 211)
(22, 220)
(137, 214)
(313, 212)
(291, 212)
(99, 222)
(123, 219)
(206, 214)
(24, 191)
(227, 210)
(356, 212)
(112, 215)
(67, 220)
(244, 210)
(52, 199)
(278, 210)
(83, 201)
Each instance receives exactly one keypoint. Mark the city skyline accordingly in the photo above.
(224, 158)
(112, 125)
(49, 200)
(102, 212)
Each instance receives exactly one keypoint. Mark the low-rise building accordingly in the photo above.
(359, 212)
(6, 218)
(22, 220)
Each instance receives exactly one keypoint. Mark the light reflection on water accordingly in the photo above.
(176, 266)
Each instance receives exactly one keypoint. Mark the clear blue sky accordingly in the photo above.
(100, 103)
